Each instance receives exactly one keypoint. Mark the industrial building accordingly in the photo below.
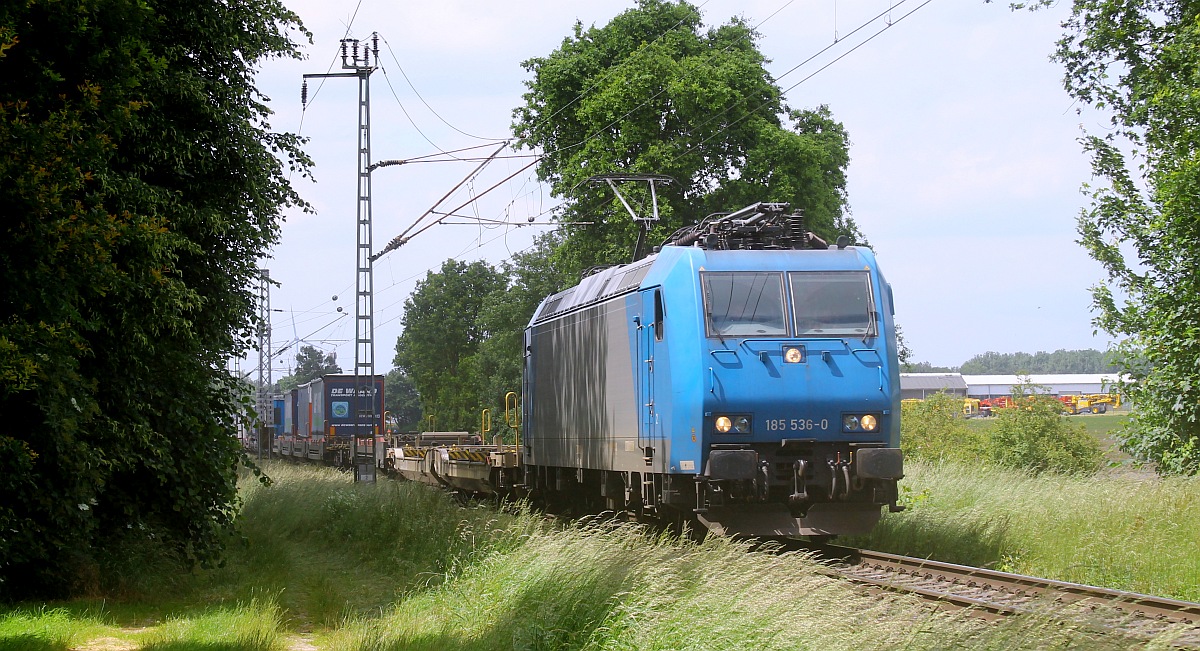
(920, 385)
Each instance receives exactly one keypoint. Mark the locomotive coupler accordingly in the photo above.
(799, 491)
(837, 468)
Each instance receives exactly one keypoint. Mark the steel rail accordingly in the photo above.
(993, 591)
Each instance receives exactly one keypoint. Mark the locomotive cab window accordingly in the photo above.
(744, 304)
(832, 303)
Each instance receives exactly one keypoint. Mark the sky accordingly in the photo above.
(965, 172)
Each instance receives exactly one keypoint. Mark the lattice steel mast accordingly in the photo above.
(265, 379)
(359, 64)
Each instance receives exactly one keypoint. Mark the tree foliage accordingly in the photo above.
(1033, 435)
(442, 334)
(530, 276)
(312, 363)
(1041, 362)
(653, 92)
(141, 184)
(401, 400)
(1139, 61)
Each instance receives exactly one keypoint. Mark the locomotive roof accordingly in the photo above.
(622, 279)
(596, 287)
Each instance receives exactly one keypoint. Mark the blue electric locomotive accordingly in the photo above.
(744, 378)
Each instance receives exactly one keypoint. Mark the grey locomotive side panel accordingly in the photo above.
(584, 407)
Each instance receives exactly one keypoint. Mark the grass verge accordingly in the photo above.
(1121, 530)
(328, 564)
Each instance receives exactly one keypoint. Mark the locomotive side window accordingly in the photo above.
(832, 303)
(744, 304)
(659, 314)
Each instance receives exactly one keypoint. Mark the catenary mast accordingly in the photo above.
(356, 61)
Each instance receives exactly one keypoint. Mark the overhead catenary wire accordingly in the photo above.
(297, 340)
(418, 94)
(401, 240)
(890, 23)
(345, 35)
(404, 235)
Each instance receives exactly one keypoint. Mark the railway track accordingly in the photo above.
(995, 593)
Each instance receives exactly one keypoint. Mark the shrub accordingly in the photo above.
(1036, 436)
(934, 429)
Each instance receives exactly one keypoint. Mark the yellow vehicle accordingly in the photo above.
(1098, 403)
(1090, 403)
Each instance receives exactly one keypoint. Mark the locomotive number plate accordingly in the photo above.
(796, 424)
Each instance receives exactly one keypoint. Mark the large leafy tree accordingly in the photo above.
(311, 363)
(141, 184)
(653, 92)
(442, 334)
(1139, 61)
(530, 276)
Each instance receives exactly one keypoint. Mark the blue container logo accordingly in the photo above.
(341, 409)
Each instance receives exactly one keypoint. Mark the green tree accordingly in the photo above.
(401, 400)
(442, 334)
(311, 363)
(652, 92)
(1059, 361)
(1138, 61)
(142, 182)
(531, 276)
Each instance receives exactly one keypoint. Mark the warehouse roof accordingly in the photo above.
(932, 381)
(1046, 380)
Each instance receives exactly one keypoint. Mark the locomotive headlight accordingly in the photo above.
(793, 355)
(724, 424)
(741, 425)
(857, 423)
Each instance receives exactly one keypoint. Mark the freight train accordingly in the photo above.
(321, 420)
(742, 380)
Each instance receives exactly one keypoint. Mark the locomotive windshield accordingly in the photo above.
(754, 304)
(832, 303)
(744, 304)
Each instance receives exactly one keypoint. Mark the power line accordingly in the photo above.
(418, 94)
(889, 25)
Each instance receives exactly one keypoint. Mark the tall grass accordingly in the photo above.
(49, 629)
(401, 566)
(617, 588)
(250, 627)
(324, 548)
(1128, 531)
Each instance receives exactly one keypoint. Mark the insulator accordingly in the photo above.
(375, 43)
(304, 94)
(795, 230)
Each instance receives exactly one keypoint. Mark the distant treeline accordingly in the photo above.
(1040, 363)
